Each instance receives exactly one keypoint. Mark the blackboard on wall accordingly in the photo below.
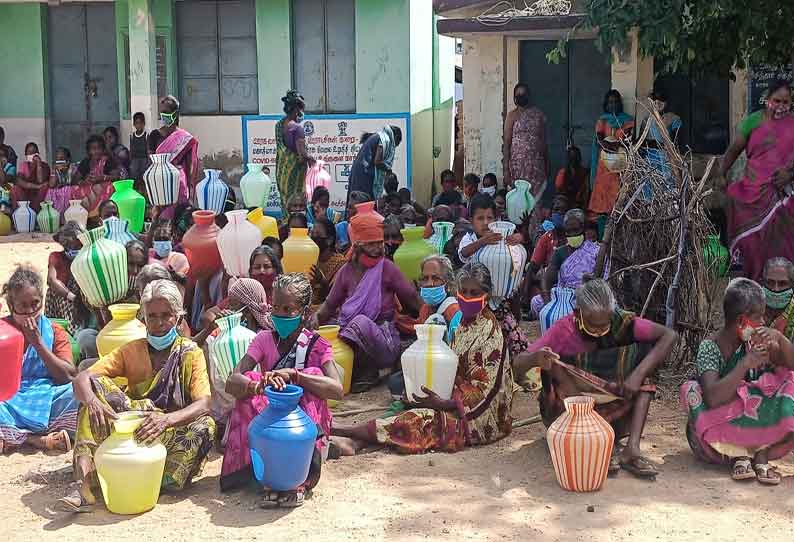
(760, 77)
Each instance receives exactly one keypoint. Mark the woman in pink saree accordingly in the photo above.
(95, 176)
(761, 212)
(183, 148)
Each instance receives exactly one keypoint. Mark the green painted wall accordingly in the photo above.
(274, 53)
(23, 91)
(383, 70)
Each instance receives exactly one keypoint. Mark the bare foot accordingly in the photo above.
(347, 446)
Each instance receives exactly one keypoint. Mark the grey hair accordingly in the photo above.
(742, 296)
(151, 272)
(447, 271)
(165, 290)
(23, 276)
(295, 284)
(780, 261)
(596, 296)
(574, 214)
(477, 272)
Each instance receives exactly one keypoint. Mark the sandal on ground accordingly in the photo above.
(639, 467)
(75, 502)
(614, 465)
(291, 499)
(269, 499)
(767, 474)
(742, 469)
(58, 442)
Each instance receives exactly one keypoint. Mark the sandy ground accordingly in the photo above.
(505, 491)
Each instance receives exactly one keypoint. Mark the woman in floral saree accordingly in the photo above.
(479, 410)
(167, 378)
(779, 292)
(741, 407)
(292, 156)
(182, 148)
(95, 176)
(761, 211)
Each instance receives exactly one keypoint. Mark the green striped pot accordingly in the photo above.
(49, 218)
(230, 346)
(100, 268)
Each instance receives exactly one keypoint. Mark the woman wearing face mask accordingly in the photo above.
(572, 181)
(62, 289)
(392, 235)
(741, 407)
(163, 252)
(654, 142)
(525, 149)
(95, 176)
(292, 154)
(182, 148)
(43, 413)
(437, 290)
(779, 293)
(32, 180)
(606, 350)
(363, 296)
(569, 265)
(613, 129)
(291, 354)
(759, 213)
(61, 176)
(167, 376)
(328, 264)
(479, 410)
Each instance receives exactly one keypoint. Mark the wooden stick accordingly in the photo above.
(360, 411)
(527, 421)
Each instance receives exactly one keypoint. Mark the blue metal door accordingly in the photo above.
(84, 96)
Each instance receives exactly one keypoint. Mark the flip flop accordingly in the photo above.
(767, 474)
(269, 499)
(75, 503)
(639, 467)
(52, 441)
(743, 469)
(291, 499)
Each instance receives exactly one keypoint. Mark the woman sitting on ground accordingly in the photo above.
(163, 252)
(320, 207)
(43, 413)
(610, 350)
(33, 178)
(328, 264)
(741, 407)
(95, 176)
(437, 289)
(363, 296)
(62, 288)
(479, 410)
(167, 378)
(778, 284)
(292, 354)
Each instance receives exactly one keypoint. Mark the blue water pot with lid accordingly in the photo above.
(281, 439)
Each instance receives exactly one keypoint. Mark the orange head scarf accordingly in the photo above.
(366, 228)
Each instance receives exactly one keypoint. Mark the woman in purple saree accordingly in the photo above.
(183, 148)
(289, 355)
(761, 212)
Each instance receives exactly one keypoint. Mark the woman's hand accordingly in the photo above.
(317, 278)
(767, 338)
(152, 427)
(30, 330)
(632, 385)
(100, 414)
(432, 401)
(491, 238)
(515, 239)
(279, 378)
(755, 358)
(544, 358)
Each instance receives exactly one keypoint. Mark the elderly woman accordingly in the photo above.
(611, 352)
(741, 407)
(292, 354)
(167, 378)
(292, 154)
(569, 265)
(779, 293)
(479, 410)
(363, 296)
(437, 289)
(43, 413)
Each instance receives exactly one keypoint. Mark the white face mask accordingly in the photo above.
(490, 190)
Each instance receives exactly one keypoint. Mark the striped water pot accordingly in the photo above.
(100, 268)
(562, 303)
(230, 346)
(211, 192)
(506, 263)
(24, 218)
(162, 180)
(580, 442)
(118, 229)
(49, 218)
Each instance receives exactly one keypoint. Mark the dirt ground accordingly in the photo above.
(505, 491)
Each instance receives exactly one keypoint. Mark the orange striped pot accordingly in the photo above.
(580, 442)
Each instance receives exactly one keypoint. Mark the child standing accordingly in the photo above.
(139, 151)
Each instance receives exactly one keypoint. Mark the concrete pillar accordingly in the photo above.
(632, 76)
(143, 69)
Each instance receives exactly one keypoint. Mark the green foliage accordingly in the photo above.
(704, 36)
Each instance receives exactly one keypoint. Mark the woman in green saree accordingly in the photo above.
(292, 156)
(167, 377)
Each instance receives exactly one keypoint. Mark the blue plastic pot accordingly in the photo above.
(282, 440)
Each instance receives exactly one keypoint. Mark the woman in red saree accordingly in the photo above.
(95, 176)
(32, 180)
(182, 147)
(761, 213)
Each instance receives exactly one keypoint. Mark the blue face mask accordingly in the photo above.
(434, 295)
(161, 248)
(162, 342)
(286, 325)
(547, 225)
(71, 254)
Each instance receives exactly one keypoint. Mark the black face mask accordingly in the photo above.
(390, 250)
(521, 100)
